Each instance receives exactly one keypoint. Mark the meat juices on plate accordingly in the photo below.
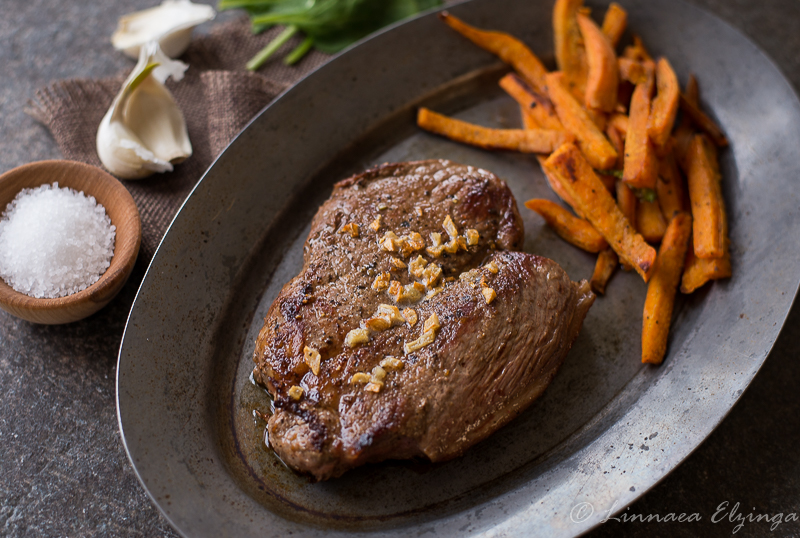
(415, 328)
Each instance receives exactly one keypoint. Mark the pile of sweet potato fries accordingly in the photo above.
(605, 133)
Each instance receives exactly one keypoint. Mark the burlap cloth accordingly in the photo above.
(218, 97)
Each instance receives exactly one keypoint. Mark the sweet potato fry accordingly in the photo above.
(692, 92)
(529, 122)
(607, 262)
(705, 193)
(610, 179)
(619, 122)
(617, 140)
(614, 23)
(641, 164)
(598, 117)
(575, 120)
(664, 107)
(650, 222)
(705, 123)
(609, 182)
(631, 70)
(624, 93)
(684, 133)
(627, 202)
(698, 271)
(537, 105)
(570, 52)
(570, 167)
(603, 74)
(508, 48)
(626, 199)
(523, 140)
(637, 51)
(628, 205)
(570, 228)
(661, 290)
(557, 188)
(670, 188)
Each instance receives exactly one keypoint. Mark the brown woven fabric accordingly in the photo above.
(217, 96)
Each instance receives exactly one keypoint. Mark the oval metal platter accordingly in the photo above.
(605, 431)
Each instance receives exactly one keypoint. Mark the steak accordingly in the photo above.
(414, 329)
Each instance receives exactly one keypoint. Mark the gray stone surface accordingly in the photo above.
(63, 470)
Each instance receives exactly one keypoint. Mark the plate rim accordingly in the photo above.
(685, 5)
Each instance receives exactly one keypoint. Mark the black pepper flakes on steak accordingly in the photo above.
(493, 354)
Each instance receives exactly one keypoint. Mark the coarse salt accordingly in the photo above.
(54, 242)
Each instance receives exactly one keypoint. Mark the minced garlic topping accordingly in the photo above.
(409, 293)
(436, 247)
(411, 243)
(390, 312)
(410, 316)
(378, 324)
(381, 282)
(359, 379)
(429, 330)
(431, 275)
(450, 227)
(389, 241)
(452, 246)
(312, 359)
(351, 228)
(471, 277)
(374, 381)
(295, 392)
(405, 245)
(376, 378)
(434, 292)
(416, 266)
(356, 337)
(431, 324)
(488, 294)
(415, 345)
(386, 317)
(392, 364)
(378, 374)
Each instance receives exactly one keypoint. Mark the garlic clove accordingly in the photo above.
(144, 130)
(170, 24)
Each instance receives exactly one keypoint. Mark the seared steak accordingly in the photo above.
(365, 365)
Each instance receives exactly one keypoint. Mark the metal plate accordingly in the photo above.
(605, 431)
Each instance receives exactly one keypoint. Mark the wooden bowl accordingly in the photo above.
(120, 208)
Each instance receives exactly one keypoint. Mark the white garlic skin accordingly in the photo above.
(144, 131)
(170, 24)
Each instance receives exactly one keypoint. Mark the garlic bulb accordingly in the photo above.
(144, 130)
(170, 24)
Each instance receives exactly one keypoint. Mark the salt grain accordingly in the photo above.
(54, 242)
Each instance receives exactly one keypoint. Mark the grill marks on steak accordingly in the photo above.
(487, 362)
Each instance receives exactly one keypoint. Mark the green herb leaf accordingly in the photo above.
(616, 173)
(648, 195)
(265, 53)
(330, 24)
(300, 51)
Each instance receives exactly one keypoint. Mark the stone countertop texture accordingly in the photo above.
(63, 469)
